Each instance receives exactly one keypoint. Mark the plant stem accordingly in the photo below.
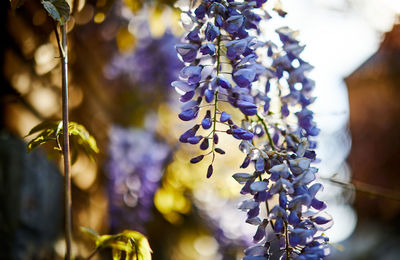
(266, 205)
(287, 240)
(66, 150)
(367, 188)
(266, 131)
(94, 252)
(216, 96)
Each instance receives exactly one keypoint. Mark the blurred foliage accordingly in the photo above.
(128, 245)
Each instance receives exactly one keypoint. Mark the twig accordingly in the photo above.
(367, 188)
(66, 148)
(94, 252)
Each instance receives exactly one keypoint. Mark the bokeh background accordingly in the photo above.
(122, 60)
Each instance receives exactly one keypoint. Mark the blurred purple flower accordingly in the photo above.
(153, 63)
(135, 167)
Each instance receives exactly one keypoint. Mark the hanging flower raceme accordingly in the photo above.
(226, 62)
(221, 65)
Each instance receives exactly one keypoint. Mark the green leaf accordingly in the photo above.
(43, 126)
(74, 151)
(42, 138)
(131, 244)
(143, 246)
(59, 10)
(80, 139)
(116, 254)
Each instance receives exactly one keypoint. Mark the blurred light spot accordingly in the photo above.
(20, 120)
(39, 17)
(206, 245)
(125, 40)
(133, 5)
(157, 23)
(75, 96)
(21, 82)
(133, 183)
(81, 5)
(176, 28)
(130, 199)
(85, 15)
(43, 99)
(345, 220)
(171, 203)
(59, 247)
(99, 17)
(164, 201)
(44, 54)
(84, 172)
(45, 58)
(28, 45)
(70, 24)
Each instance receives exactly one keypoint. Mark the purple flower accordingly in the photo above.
(192, 74)
(189, 114)
(188, 52)
(244, 77)
(155, 62)
(247, 108)
(225, 117)
(223, 83)
(233, 23)
(212, 31)
(197, 159)
(208, 48)
(200, 11)
(189, 133)
(235, 48)
(193, 35)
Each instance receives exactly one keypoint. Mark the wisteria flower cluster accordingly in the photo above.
(226, 62)
(218, 41)
(135, 167)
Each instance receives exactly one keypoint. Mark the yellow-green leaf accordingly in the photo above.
(116, 254)
(43, 126)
